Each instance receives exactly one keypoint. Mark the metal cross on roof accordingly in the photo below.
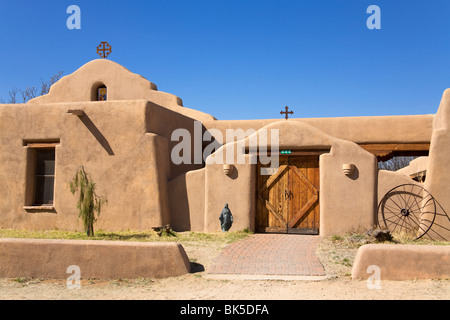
(287, 112)
(104, 49)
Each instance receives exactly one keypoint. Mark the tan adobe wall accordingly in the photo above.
(125, 85)
(187, 201)
(387, 180)
(164, 122)
(126, 146)
(345, 202)
(438, 172)
(50, 259)
(377, 129)
(415, 166)
(402, 262)
(348, 202)
(237, 190)
(129, 166)
(121, 84)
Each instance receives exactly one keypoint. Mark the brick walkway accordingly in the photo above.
(271, 254)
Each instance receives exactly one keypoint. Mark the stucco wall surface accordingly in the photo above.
(346, 202)
(415, 166)
(438, 172)
(49, 259)
(187, 201)
(388, 180)
(121, 84)
(129, 166)
(125, 145)
(403, 262)
(375, 129)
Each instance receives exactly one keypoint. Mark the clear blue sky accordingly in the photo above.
(245, 59)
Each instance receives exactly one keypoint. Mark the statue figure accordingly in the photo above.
(226, 219)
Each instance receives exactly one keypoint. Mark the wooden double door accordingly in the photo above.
(288, 200)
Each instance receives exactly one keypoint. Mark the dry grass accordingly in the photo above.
(338, 252)
(130, 235)
(357, 239)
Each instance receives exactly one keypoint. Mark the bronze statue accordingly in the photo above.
(226, 219)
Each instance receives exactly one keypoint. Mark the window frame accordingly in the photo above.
(32, 149)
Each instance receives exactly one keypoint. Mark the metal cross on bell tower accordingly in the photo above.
(104, 49)
(286, 113)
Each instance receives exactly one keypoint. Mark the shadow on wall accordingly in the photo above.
(355, 174)
(187, 138)
(440, 226)
(231, 171)
(96, 133)
(93, 129)
(180, 217)
(187, 199)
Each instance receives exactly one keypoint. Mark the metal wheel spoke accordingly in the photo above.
(410, 195)
(403, 196)
(416, 204)
(396, 204)
(408, 209)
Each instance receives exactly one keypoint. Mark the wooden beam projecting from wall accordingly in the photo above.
(385, 151)
(76, 112)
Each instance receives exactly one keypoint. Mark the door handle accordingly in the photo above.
(287, 195)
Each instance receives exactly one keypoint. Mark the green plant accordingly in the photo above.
(21, 279)
(347, 262)
(89, 202)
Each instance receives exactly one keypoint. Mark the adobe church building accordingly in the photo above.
(158, 163)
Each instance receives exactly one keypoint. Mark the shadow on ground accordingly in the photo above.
(197, 267)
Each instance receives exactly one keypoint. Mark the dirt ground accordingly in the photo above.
(201, 286)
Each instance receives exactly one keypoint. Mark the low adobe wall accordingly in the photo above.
(403, 262)
(49, 259)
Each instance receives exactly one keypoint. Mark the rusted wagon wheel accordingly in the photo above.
(407, 209)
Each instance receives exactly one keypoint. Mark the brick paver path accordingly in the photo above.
(271, 254)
